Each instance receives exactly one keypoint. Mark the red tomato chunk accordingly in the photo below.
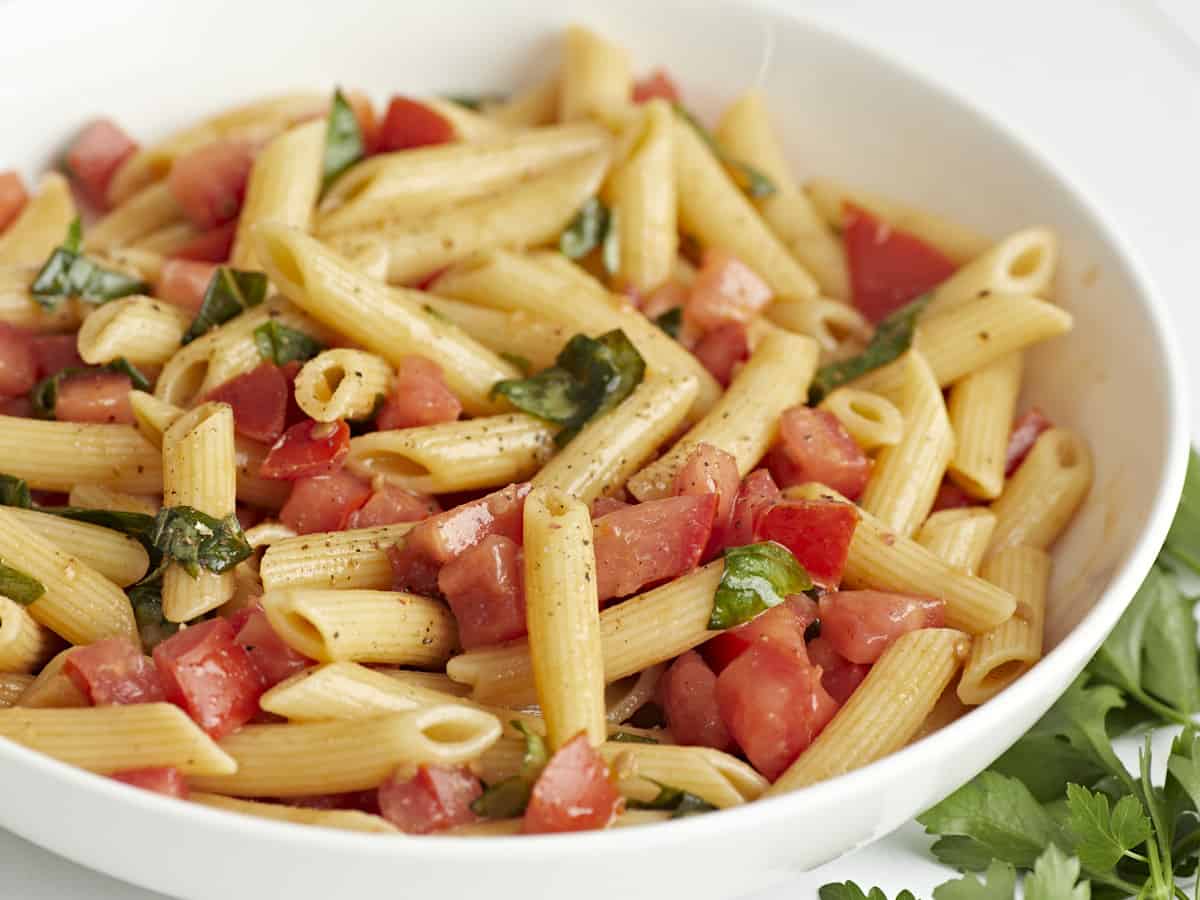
(307, 448)
(950, 496)
(12, 198)
(391, 504)
(817, 532)
(409, 123)
(721, 349)
(657, 84)
(95, 156)
(166, 780)
(210, 675)
(212, 246)
(485, 588)
(709, 470)
(815, 446)
(114, 672)
(650, 542)
(688, 693)
(368, 124)
(725, 290)
(419, 397)
(259, 399)
(95, 397)
(839, 676)
(324, 502)
(573, 793)
(274, 660)
(784, 624)
(210, 181)
(18, 363)
(55, 352)
(860, 625)
(1025, 433)
(434, 799)
(757, 494)
(774, 705)
(888, 268)
(182, 283)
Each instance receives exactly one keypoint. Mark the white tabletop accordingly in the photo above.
(1111, 90)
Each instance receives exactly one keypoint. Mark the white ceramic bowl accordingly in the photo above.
(844, 111)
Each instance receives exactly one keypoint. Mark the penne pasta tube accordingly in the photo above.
(885, 711)
(356, 558)
(346, 690)
(622, 699)
(169, 239)
(140, 329)
(148, 211)
(515, 335)
(389, 322)
(133, 261)
(53, 689)
(118, 557)
(12, 685)
(363, 626)
(469, 126)
(716, 777)
(596, 81)
(41, 226)
(95, 496)
(872, 420)
(1022, 263)
(342, 384)
(492, 451)
(959, 537)
(745, 421)
(1044, 493)
(529, 107)
(56, 456)
(24, 643)
(19, 308)
(839, 329)
(981, 409)
(434, 681)
(294, 760)
(108, 739)
(341, 819)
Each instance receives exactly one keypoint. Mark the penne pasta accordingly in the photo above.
(56, 456)
(341, 819)
(517, 335)
(959, 537)
(41, 226)
(1044, 493)
(150, 210)
(118, 557)
(18, 306)
(12, 685)
(346, 690)
(356, 558)
(527, 108)
(981, 409)
(53, 689)
(24, 643)
(596, 81)
(342, 384)
(872, 420)
(140, 329)
(95, 496)
(1022, 263)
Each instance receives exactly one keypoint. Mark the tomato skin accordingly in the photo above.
(757, 494)
(709, 470)
(1026, 430)
(95, 156)
(817, 532)
(725, 290)
(274, 660)
(18, 363)
(307, 448)
(207, 673)
(436, 798)
(259, 401)
(13, 198)
(368, 124)
(410, 123)
(888, 268)
(213, 245)
(183, 283)
(573, 793)
(688, 693)
(860, 625)
(210, 181)
(18, 407)
(784, 624)
(815, 446)
(55, 352)
(165, 780)
(950, 496)
(658, 84)
(839, 676)
(419, 396)
(649, 542)
(114, 672)
(390, 505)
(485, 587)
(324, 502)
(721, 349)
(101, 397)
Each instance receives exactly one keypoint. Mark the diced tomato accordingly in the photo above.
(391, 504)
(815, 446)
(485, 588)
(210, 675)
(210, 181)
(602, 506)
(114, 672)
(95, 397)
(688, 693)
(272, 658)
(166, 780)
(657, 84)
(818, 532)
(888, 268)
(18, 362)
(183, 283)
(839, 676)
(363, 801)
(259, 400)
(725, 290)
(950, 496)
(1025, 433)
(785, 624)
(19, 407)
(434, 799)
(667, 296)
(409, 123)
(709, 470)
(573, 793)
(295, 415)
(248, 516)
(309, 448)
(757, 494)
(772, 701)
(324, 502)
(95, 156)
(212, 246)
(430, 545)
(368, 124)
(721, 349)
(419, 397)
(55, 352)
(12, 198)
(650, 542)
(860, 625)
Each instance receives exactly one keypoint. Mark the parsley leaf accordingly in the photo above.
(1104, 836)
(507, 798)
(194, 540)
(68, 273)
(675, 800)
(588, 229)
(18, 586)
(756, 577)
(999, 883)
(280, 344)
(229, 293)
(344, 145)
(893, 336)
(1054, 877)
(848, 890)
(14, 492)
(671, 321)
(749, 179)
(1182, 547)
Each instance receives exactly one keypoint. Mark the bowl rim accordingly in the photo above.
(961, 733)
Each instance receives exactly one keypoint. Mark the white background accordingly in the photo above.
(1109, 90)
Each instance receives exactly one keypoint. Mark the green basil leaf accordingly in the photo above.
(194, 540)
(153, 627)
(628, 737)
(586, 231)
(1182, 546)
(122, 366)
(505, 799)
(749, 179)
(674, 800)
(756, 577)
(475, 102)
(892, 337)
(280, 344)
(44, 395)
(229, 293)
(74, 240)
(344, 144)
(671, 321)
(19, 587)
(590, 376)
(68, 273)
(517, 360)
(14, 492)
(536, 753)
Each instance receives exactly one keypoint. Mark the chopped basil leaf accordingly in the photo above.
(507, 799)
(1182, 547)
(475, 102)
(14, 491)
(433, 312)
(756, 577)
(344, 144)
(122, 366)
(590, 376)
(745, 176)
(279, 344)
(517, 360)
(674, 800)
(146, 599)
(230, 292)
(628, 737)
(68, 273)
(610, 247)
(587, 231)
(671, 321)
(19, 587)
(44, 395)
(893, 336)
(194, 540)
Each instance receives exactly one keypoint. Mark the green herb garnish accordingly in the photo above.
(671, 321)
(68, 273)
(277, 343)
(629, 737)
(475, 102)
(15, 492)
(229, 293)
(153, 626)
(751, 181)
(587, 230)
(674, 800)
(756, 577)
(19, 587)
(194, 540)
(344, 145)
(507, 799)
